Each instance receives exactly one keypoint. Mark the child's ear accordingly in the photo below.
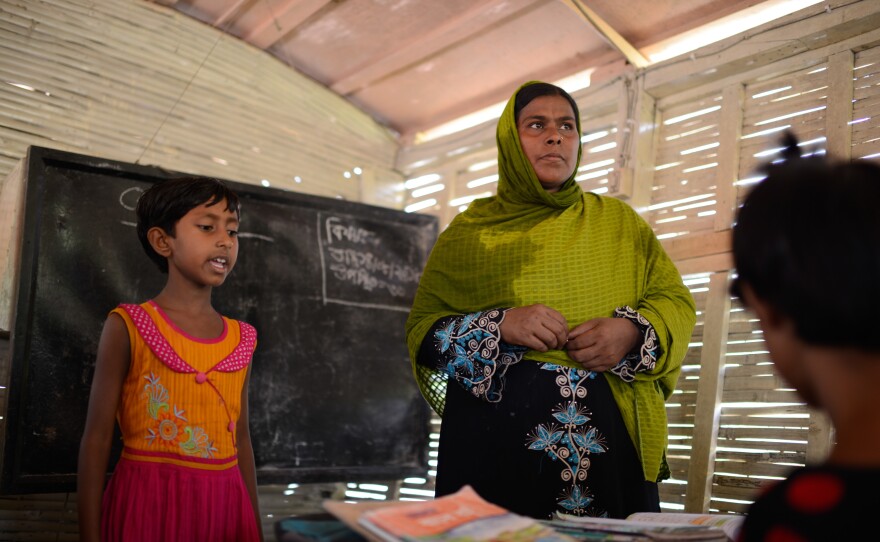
(158, 239)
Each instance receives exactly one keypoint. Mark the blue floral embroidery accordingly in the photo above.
(473, 353)
(466, 322)
(461, 361)
(571, 415)
(545, 438)
(445, 336)
(573, 442)
(575, 500)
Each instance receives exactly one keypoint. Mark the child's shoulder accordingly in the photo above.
(130, 307)
(125, 310)
(248, 332)
(131, 312)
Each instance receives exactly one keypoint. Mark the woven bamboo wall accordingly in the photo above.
(704, 123)
(132, 81)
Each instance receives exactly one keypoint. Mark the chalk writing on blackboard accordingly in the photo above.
(359, 263)
(336, 400)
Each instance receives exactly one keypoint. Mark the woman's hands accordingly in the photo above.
(598, 344)
(537, 327)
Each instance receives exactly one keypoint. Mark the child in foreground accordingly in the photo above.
(807, 252)
(174, 373)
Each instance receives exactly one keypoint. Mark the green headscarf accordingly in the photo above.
(579, 253)
(519, 189)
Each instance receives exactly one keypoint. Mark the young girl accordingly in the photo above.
(174, 373)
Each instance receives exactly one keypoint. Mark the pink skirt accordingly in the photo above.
(147, 501)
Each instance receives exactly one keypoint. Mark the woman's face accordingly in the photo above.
(549, 138)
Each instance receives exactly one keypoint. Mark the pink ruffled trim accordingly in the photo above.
(238, 359)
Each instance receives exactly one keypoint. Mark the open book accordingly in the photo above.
(654, 526)
(463, 517)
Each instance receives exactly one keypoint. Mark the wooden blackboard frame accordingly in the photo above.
(387, 438)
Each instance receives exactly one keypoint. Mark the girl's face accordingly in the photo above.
(204, 248)
(548, 134)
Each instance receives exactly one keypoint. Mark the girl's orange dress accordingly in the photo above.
(178, 477)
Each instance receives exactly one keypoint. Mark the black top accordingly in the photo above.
(814, 504)
(534, 438)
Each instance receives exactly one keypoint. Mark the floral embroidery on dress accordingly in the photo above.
(472, 352)
(572, 442)
(171, 431)
(646, 357)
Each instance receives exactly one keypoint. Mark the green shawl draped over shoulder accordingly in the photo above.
(579, 253)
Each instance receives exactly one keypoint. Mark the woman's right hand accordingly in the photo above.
(537, 327)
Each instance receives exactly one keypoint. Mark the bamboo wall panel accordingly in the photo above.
(132, 81)
(681, 406)
(793, 101)
(764, 425)
(599, 155)
(684, 194)
(866, 105)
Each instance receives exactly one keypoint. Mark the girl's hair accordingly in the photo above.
(166, 202)
(806, 242)
(528, 93)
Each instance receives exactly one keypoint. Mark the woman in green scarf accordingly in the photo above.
(548, 329)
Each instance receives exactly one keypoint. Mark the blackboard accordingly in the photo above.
(327, 284)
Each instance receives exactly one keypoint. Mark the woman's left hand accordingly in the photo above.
(599, 344)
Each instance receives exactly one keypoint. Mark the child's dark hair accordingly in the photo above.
(807, 242)
(166, 202)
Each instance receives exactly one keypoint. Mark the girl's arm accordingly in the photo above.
(113, 360)
(246, 452)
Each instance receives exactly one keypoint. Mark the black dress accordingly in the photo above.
(534, 438)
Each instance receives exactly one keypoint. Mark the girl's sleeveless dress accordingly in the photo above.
(178, 477)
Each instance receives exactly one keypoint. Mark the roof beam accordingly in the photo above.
(453, 32)
(632, 55)
(229, 13)
(283, 17)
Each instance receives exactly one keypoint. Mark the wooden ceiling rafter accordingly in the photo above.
(423, 47)
(284, 18)
(415, 64)
(632, 55)
(227, 15)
